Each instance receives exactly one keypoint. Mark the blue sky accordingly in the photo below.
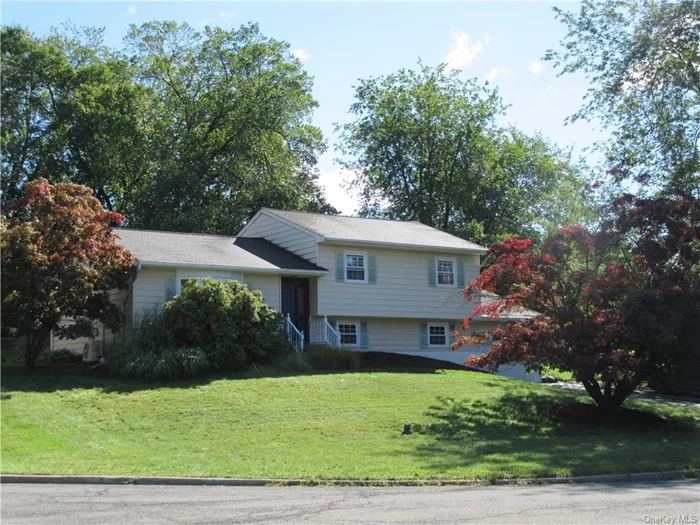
(341, 42)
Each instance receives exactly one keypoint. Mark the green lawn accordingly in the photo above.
(345, 425)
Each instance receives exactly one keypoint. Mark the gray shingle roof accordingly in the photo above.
(188, 249)
(359, 230)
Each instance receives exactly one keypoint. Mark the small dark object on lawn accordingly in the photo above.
(549, 379)
(407, 429)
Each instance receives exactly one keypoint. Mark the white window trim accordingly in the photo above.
(454, 272)
(357, 332)
(345, 267)
(447, 335)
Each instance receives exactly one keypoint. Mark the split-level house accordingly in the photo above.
(366, 284)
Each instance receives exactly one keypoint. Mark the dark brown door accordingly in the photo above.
(295, 302)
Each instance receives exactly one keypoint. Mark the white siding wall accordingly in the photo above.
(269, 286)
(402, 336)
(74, 345)
(401, 290)
(313, 296)
(150, 289)
(123, 298)
(282, 234)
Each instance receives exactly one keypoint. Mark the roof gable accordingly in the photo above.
(358, 230)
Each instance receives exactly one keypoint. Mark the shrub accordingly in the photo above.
(329, 358)
(232, 323)
(61, 355)
(147, 353)
(153, 364)
(151, 333)
(294, 362)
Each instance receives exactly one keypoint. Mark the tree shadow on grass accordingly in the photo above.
(61, 377)
(517, 435)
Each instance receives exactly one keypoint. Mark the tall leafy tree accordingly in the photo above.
(425, 145)
(71, 111)
(642, 59)
(229, 127)
(183, 130)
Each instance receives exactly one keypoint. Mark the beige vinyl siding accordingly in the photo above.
(401, 289)
(288, 237)
(122, 298)
(74, 345)
(150, 289)
(268, 285)
(402, 336)
(313, 299)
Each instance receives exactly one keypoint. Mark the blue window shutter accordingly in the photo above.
(432, 278)
(424, 335)
(339, 266)
(372, 268)
(451, 339)
(364, 336)
(460, 273)
(169, 289)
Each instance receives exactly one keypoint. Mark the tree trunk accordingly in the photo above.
(610, 398)
(36, 342)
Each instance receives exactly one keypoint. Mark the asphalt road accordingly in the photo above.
(659, 503)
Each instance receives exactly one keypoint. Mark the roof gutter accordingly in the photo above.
(404, 246)
(244, 269)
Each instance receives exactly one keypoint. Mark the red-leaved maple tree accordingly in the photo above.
(613, 308)
(60, 259)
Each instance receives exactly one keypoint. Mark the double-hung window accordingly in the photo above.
(437, 335)
(349, 333)
(445, 272)
(356, 267)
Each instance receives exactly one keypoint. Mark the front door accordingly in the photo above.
(295, 302)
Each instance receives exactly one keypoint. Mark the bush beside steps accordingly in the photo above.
(211, 326)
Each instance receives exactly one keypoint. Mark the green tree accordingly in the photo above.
(70, 112)
(425, 145)
(642, 59)
(229, 125)
(183, 130)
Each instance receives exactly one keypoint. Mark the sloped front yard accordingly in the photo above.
(343, 425)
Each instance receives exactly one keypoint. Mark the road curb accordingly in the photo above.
(156, 480)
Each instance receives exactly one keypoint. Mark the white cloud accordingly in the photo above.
(463, 52)
(497, 72)
(131, 11)
(227, 15)
(535, 67)
(338, 193)
(301, 54)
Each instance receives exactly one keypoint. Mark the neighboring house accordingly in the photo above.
(367, 284)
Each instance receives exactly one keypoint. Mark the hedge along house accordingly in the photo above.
(366, 284)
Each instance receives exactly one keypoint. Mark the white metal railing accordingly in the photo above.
(293, 334)
(323, 333)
